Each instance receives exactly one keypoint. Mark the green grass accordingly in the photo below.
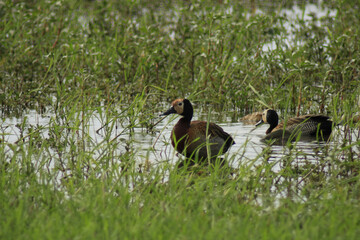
(109, 48)
(123, 62)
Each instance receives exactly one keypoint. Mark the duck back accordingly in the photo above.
(309, 126)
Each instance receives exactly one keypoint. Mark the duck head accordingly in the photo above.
(271, 117)
(182, 107)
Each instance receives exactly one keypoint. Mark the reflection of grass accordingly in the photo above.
(75, 58)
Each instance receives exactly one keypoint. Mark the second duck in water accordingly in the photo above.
(252, 118)
(197, 140)
(310, 127)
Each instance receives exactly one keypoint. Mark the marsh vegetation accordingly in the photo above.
(82, 84)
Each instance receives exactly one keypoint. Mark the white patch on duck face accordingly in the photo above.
(264, 115)
(178, 105)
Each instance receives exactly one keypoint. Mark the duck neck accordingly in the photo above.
(188, 111)
(187, 118)
(272, 126)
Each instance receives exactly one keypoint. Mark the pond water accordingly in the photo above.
(155, 147)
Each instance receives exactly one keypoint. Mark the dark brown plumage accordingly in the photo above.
(190, 137)
(309, 126)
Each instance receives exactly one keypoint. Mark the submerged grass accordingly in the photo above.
(117, 61)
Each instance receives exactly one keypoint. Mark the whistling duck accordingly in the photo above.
(190, 137)
(252, 118)
(310, 126)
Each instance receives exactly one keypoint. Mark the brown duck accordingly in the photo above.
(190, 137)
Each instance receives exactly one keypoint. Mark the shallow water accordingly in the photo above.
(152, 149)
(155, 147)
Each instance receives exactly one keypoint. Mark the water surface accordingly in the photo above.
(155, 147)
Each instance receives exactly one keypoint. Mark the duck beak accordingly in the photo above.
(259, 123)
(168, 112)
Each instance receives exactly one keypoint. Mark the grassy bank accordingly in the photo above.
(120, 61)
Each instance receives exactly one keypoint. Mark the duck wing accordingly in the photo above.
(199, 130)
(308, 124)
